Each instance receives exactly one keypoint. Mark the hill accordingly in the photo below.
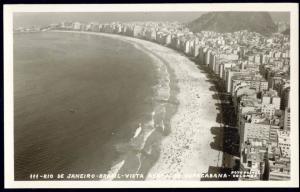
(260, 22)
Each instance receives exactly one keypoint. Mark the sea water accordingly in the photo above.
(78, 102)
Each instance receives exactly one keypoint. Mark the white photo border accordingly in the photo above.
(8, 11)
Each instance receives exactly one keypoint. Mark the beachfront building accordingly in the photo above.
(150, 34)
(66, 25)
(230, 74)
(137, 31)
(77, 26)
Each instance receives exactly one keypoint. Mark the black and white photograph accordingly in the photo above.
(157, 94)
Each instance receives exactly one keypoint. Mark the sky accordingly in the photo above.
(29, 19)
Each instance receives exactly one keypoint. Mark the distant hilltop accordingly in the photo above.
(260, 22)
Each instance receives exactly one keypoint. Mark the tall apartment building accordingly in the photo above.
(250, 131)
(271, 97)
(137, 31)
(284, 143)
(150, 34)
(287, 119)
(256, 82)
(77, 26)
(229, 75)
(253, 159)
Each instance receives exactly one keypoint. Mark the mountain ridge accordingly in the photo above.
(260, 22)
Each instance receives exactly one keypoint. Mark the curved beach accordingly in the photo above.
(185, 152)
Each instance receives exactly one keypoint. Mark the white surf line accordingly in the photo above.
(114, 170)
(140, 163)
(146, 137)
(152, 121)
(138, 131)
(149, 133)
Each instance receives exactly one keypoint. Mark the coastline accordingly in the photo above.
(183, 149)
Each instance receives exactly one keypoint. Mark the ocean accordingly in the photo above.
(84, 104)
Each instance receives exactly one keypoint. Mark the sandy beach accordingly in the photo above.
(186, 152)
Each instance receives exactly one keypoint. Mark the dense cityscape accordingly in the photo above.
(251, 74)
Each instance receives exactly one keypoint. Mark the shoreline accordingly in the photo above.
(186, 149)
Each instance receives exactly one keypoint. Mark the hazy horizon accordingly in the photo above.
(38, 18)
